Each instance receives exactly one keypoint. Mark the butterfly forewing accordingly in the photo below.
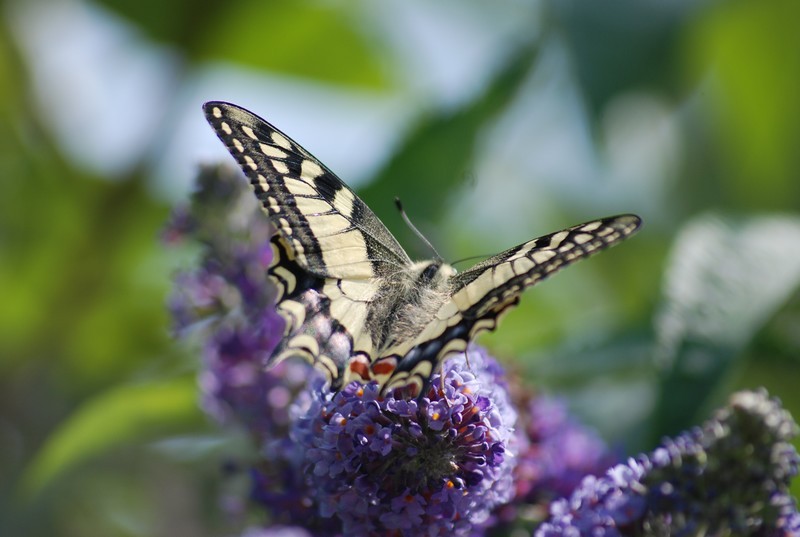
(348, 292)
(483, 293)
(493, 283)
(332, 232)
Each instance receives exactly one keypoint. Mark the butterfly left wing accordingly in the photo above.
(480, 295)
(330, 254)
(330, 231)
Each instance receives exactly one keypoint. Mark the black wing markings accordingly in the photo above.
(483, 293)
(342, 226)
(334, 261)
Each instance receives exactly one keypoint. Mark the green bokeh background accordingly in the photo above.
(687, 113)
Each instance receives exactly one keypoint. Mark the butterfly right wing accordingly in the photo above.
(496, 283)
(483, 293)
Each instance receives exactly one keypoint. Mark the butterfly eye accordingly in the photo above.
(429, 272)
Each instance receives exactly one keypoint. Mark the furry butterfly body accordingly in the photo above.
(354, 303)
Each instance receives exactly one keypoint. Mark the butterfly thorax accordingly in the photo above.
(407, 301)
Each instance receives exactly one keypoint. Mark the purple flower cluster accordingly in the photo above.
(555, 453)
(559, 452)
(227, 299)
(432, 466)
(228, 302)
(729, 477)
(277, 531)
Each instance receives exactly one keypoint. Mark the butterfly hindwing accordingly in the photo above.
(322, 325)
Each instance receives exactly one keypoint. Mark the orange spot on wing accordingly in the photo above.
(384, 366)
(360, 368)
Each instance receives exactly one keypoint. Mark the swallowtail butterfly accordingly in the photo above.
(354, 303)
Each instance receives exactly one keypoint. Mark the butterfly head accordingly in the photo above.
(433, 274)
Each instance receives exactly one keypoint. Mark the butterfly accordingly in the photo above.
(354, 304)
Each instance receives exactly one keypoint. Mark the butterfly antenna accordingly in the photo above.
(470, 258)
(417, 232)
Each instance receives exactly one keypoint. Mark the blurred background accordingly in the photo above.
(494, 121)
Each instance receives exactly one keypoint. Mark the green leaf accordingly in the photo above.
(177, 22)
(753, 51)
(123, 415)
(617, 45)
(306, 39)
(725, 279)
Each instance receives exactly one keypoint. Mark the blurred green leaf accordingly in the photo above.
(123, 415)
(780, 339)
(436, 157)
(726, 278)
(9, 80)
(82, 275)
(618, 45)
(752, 49)
(105, 307)
(308, 39)
(177, 22)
